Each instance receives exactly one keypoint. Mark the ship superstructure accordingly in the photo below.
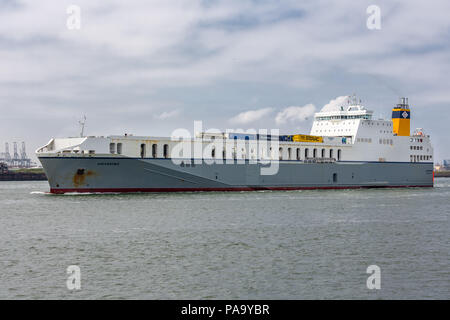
(346, 148)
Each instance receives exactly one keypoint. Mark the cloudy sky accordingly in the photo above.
(149, 67)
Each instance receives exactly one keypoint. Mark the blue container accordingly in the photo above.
(241, 136)
(286, 138)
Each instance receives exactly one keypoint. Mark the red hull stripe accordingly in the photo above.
(135, 190)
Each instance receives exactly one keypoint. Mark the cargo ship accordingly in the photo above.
(346, 148)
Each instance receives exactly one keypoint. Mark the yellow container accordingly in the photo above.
(307, 138)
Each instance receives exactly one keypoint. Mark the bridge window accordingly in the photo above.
(331, 154)
(213, 153)
(143, 150)
(166, 151)
(289, 153)
(315, 153)
(280, 154)
(298, 153)
(119, 148)
(154, 150)
(112, 148)
(339, 154)
(323, 153)
(306, 153)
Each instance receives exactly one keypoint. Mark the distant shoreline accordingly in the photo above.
(442, 174)
(24, 175)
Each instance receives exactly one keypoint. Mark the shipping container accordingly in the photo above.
(286, 138)
(242, 136)
(265, 137)
(307, 138)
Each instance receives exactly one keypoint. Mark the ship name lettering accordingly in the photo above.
(107, 163)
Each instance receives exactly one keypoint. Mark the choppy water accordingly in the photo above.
(249, 245)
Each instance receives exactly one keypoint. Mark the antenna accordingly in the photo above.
(354, 99)
(82, 123)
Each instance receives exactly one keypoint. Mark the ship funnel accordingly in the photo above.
(401, 117)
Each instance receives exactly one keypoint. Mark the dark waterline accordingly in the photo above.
(222, 245)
